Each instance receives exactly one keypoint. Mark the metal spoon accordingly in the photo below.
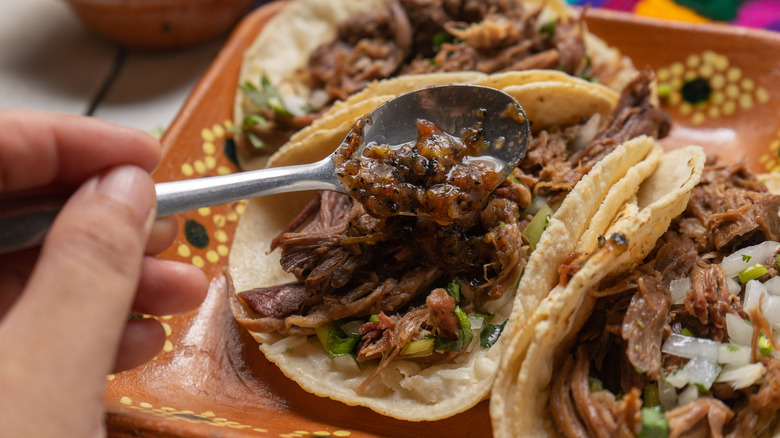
(449, 107)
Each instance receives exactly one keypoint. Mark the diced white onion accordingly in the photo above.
(743, 376)
(667, 395)
(733, 354)
(749, 256)
(740, 332)
(677, 378)
(755, 293)
(476, 322)
(771, 310)
(679, 289)
(702, 372)
(734, 287)
(773, 285)
(346, 363)
(690, 394)
(691, 347)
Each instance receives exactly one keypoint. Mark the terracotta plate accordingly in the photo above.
(211, 380)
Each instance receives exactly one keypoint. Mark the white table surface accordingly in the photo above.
(49, 61)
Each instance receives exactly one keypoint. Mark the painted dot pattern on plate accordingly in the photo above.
(706, 86)
(770, 161)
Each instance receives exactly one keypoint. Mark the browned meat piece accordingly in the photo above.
(275, 301)
(710, 300)
(702, 417)
(644, 323)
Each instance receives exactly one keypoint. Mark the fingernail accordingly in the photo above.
(130, 185)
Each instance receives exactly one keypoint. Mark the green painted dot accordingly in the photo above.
(229, 148)
(196, 234)
(696, 90)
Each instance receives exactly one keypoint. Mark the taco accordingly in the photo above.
(403, 314)
(675, 339)
(315, 53)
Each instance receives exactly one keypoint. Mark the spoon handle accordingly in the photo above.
(24, 222)
(178, 196)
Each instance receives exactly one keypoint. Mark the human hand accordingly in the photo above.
(64, 306)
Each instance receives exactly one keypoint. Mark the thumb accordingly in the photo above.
(76, 302)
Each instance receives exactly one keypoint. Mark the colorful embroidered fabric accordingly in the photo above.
(750, 13)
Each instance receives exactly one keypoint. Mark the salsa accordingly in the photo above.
(437, 176)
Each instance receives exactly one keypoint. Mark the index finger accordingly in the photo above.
(39, 149)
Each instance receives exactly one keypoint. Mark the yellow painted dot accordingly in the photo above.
(342, 433)
(663, 74)
(693, 61)
(219, 220)
(677, 68)
(706, 70)
(198, 261)
(686, 109)
(212, 256)
(721, 62)
(187, 170)
(698, 118)
(762, 95)
(763, 158)
(729, 108)
(219, 420)
(218, 130)
(718, 98)
(748, 84)
(690, 75)
(167, 328)
(207, 135)
(224, 170)
(208, 414)
(676, 83)
(257, 429)
(168, 409)
(321, 433)
(127, 401)
(674, 98)
(713, 112)
(733, 74)
(775, 145)
(746, 101)
(199, 166)
(145, 405)
(166, 317)
(717, 81)
(732, 91)
(227, 124)
(301, 432)
(223, 250)
(221, 236)
(240, 207)
(168, 346)
(211, 162)
(110, 377)
(204, 211)
(209, 148)
(232, 216)
(184, 251)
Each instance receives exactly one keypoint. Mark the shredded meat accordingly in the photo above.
(709, 300)
(701, 417)
(644, 324)
(761, 411)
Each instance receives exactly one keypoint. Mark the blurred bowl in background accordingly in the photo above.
(160, 24)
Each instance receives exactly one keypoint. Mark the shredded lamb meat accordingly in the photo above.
(620, 344)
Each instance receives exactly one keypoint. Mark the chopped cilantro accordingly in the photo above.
(490, 334)
(465, 335)
(746, 258)
(453, 289)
